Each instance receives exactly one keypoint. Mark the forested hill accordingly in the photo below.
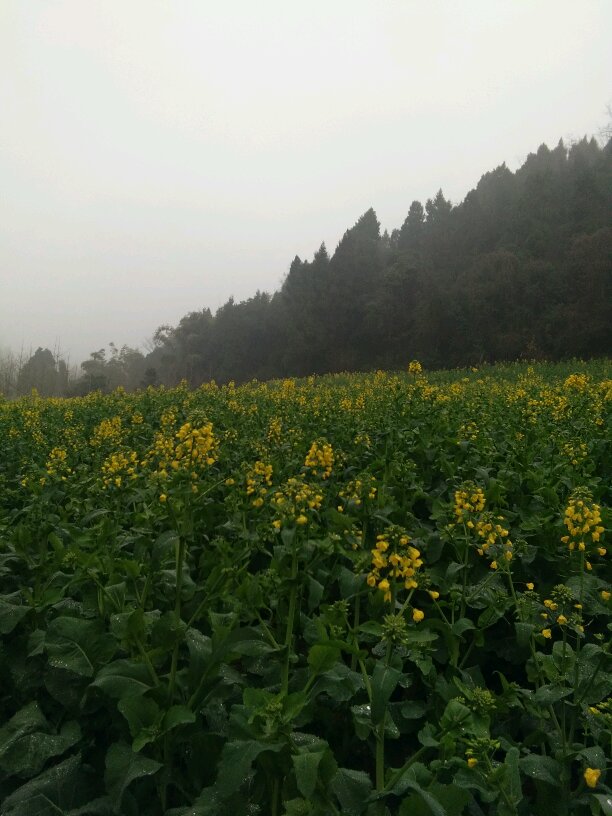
(521, 268)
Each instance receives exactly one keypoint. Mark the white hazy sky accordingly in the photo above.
(158, 156)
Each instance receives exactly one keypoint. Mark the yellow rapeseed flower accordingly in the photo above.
(591, 776)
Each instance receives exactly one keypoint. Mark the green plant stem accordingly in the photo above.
(366, 680)
(147, 661)
(275, 796)
(180, 557)
(503, 793)
(290, 620)
(465, 563)
(396, 776)
(355, 627)
(380, 738)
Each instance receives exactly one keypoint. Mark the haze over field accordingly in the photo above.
(157, 158)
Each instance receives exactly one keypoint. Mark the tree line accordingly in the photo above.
(521, 268)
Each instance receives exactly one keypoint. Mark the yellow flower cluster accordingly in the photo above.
(274, 431)
(119, 466)
(491, 532)
(57, 464)
(468, 431)
(320, 459)
(582, 518)
(469, 499)
(414, 367)
(363, 439)
(394, 560)
(196, 446)
(162, 452)
(294, 503)
(355, 492)
(603, 711)
(578, 382)
(107, 432)
(575, 452)
(259, 478)
(561, 610)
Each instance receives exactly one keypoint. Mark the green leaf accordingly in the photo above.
(426, 736)
(340, 683)
(413, 709)
(563, 656)
(315, 593)
(455, 716)
(605, 802)
(322, 657)
(461, 626)
(77, 645)
(353, 789)
(49, 793)
(123, 766)
(547, 695)
(306, 766)
(384, 681)
(512, 782)
(432, 803)
(177, 715)
(524, 632)
(144, 719)
(27, 755)
(544, 768)
(236, 760)
(11, 614)
(123, 678)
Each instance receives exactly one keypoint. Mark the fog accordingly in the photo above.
(159, 157)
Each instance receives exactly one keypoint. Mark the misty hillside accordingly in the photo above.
(522, 268)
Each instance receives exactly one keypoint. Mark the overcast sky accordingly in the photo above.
(158, 156)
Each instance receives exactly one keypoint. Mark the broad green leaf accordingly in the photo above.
(524, 632)
(512, 782)
(605, 802)
(144, 719)
(78, 645)
(384, 680)
(456, 715)
(544, 768)
(27, 755)
(177, 715)
(11, 613)
(57, 789)
(123, 678)
(413, 709)
(123, 766)
(353, 789)
(340, 682)
(236, 761)
(322, 657)
(306, 766)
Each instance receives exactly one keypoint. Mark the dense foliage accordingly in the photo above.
(371, 594)
(521, 268)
